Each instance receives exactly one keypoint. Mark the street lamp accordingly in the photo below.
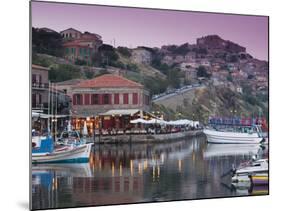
(192, 120)
(179, 114)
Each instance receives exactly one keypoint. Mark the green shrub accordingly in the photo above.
(124, 51)
(63, 72)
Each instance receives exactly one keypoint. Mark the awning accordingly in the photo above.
(180, 122)
(120, 112)
(183, 122)
(135, 121)
(157, 121)
(46, 116)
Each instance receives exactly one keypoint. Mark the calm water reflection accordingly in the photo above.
(117, 174)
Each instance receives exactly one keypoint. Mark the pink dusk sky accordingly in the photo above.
(133, 27)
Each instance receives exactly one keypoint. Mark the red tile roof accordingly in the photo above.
(108, 80)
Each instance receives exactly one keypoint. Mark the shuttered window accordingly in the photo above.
(95, 99)
(106, 99)
(87, 99)
(77, 99)
(74, 100)
(135, 98)
(116, 98)
(126, 98)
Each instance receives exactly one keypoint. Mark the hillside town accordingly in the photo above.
(101, 78)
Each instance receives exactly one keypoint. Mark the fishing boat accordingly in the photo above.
(234, 135)
(255, 171)
(43, 151)
(235, 131)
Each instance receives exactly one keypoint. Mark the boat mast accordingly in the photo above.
(55, 116)
(49, 99)
(51, 114)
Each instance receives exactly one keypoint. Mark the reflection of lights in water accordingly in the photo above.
(112, 169)
(145, 164)
(132, 167)
(91, 159)
(193, 156)
(153, 173)
(140, 169)
(99, 164)
(158, 171)
(93, 166)
(120, 170)
(179, 164)
(54, 184)
(162, 157)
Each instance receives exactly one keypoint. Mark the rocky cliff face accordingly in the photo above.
(208, 101)
(215, 42)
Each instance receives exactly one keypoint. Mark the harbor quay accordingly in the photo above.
(144, 138)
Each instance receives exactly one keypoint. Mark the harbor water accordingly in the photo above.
(133, 173)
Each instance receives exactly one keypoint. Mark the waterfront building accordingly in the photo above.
(108, 101)
(108, 92)
(40, 87)
(42, 93)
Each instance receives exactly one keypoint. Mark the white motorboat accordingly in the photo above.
(249, 135)
(254, 170)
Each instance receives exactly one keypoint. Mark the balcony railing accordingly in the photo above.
(40, 85)
(39, 106)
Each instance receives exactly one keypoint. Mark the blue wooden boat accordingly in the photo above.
(43, 151)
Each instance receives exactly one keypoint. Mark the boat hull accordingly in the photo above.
(64, 169)
(79, 154)
(261, 179)
(214, 150)
(220, 137)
